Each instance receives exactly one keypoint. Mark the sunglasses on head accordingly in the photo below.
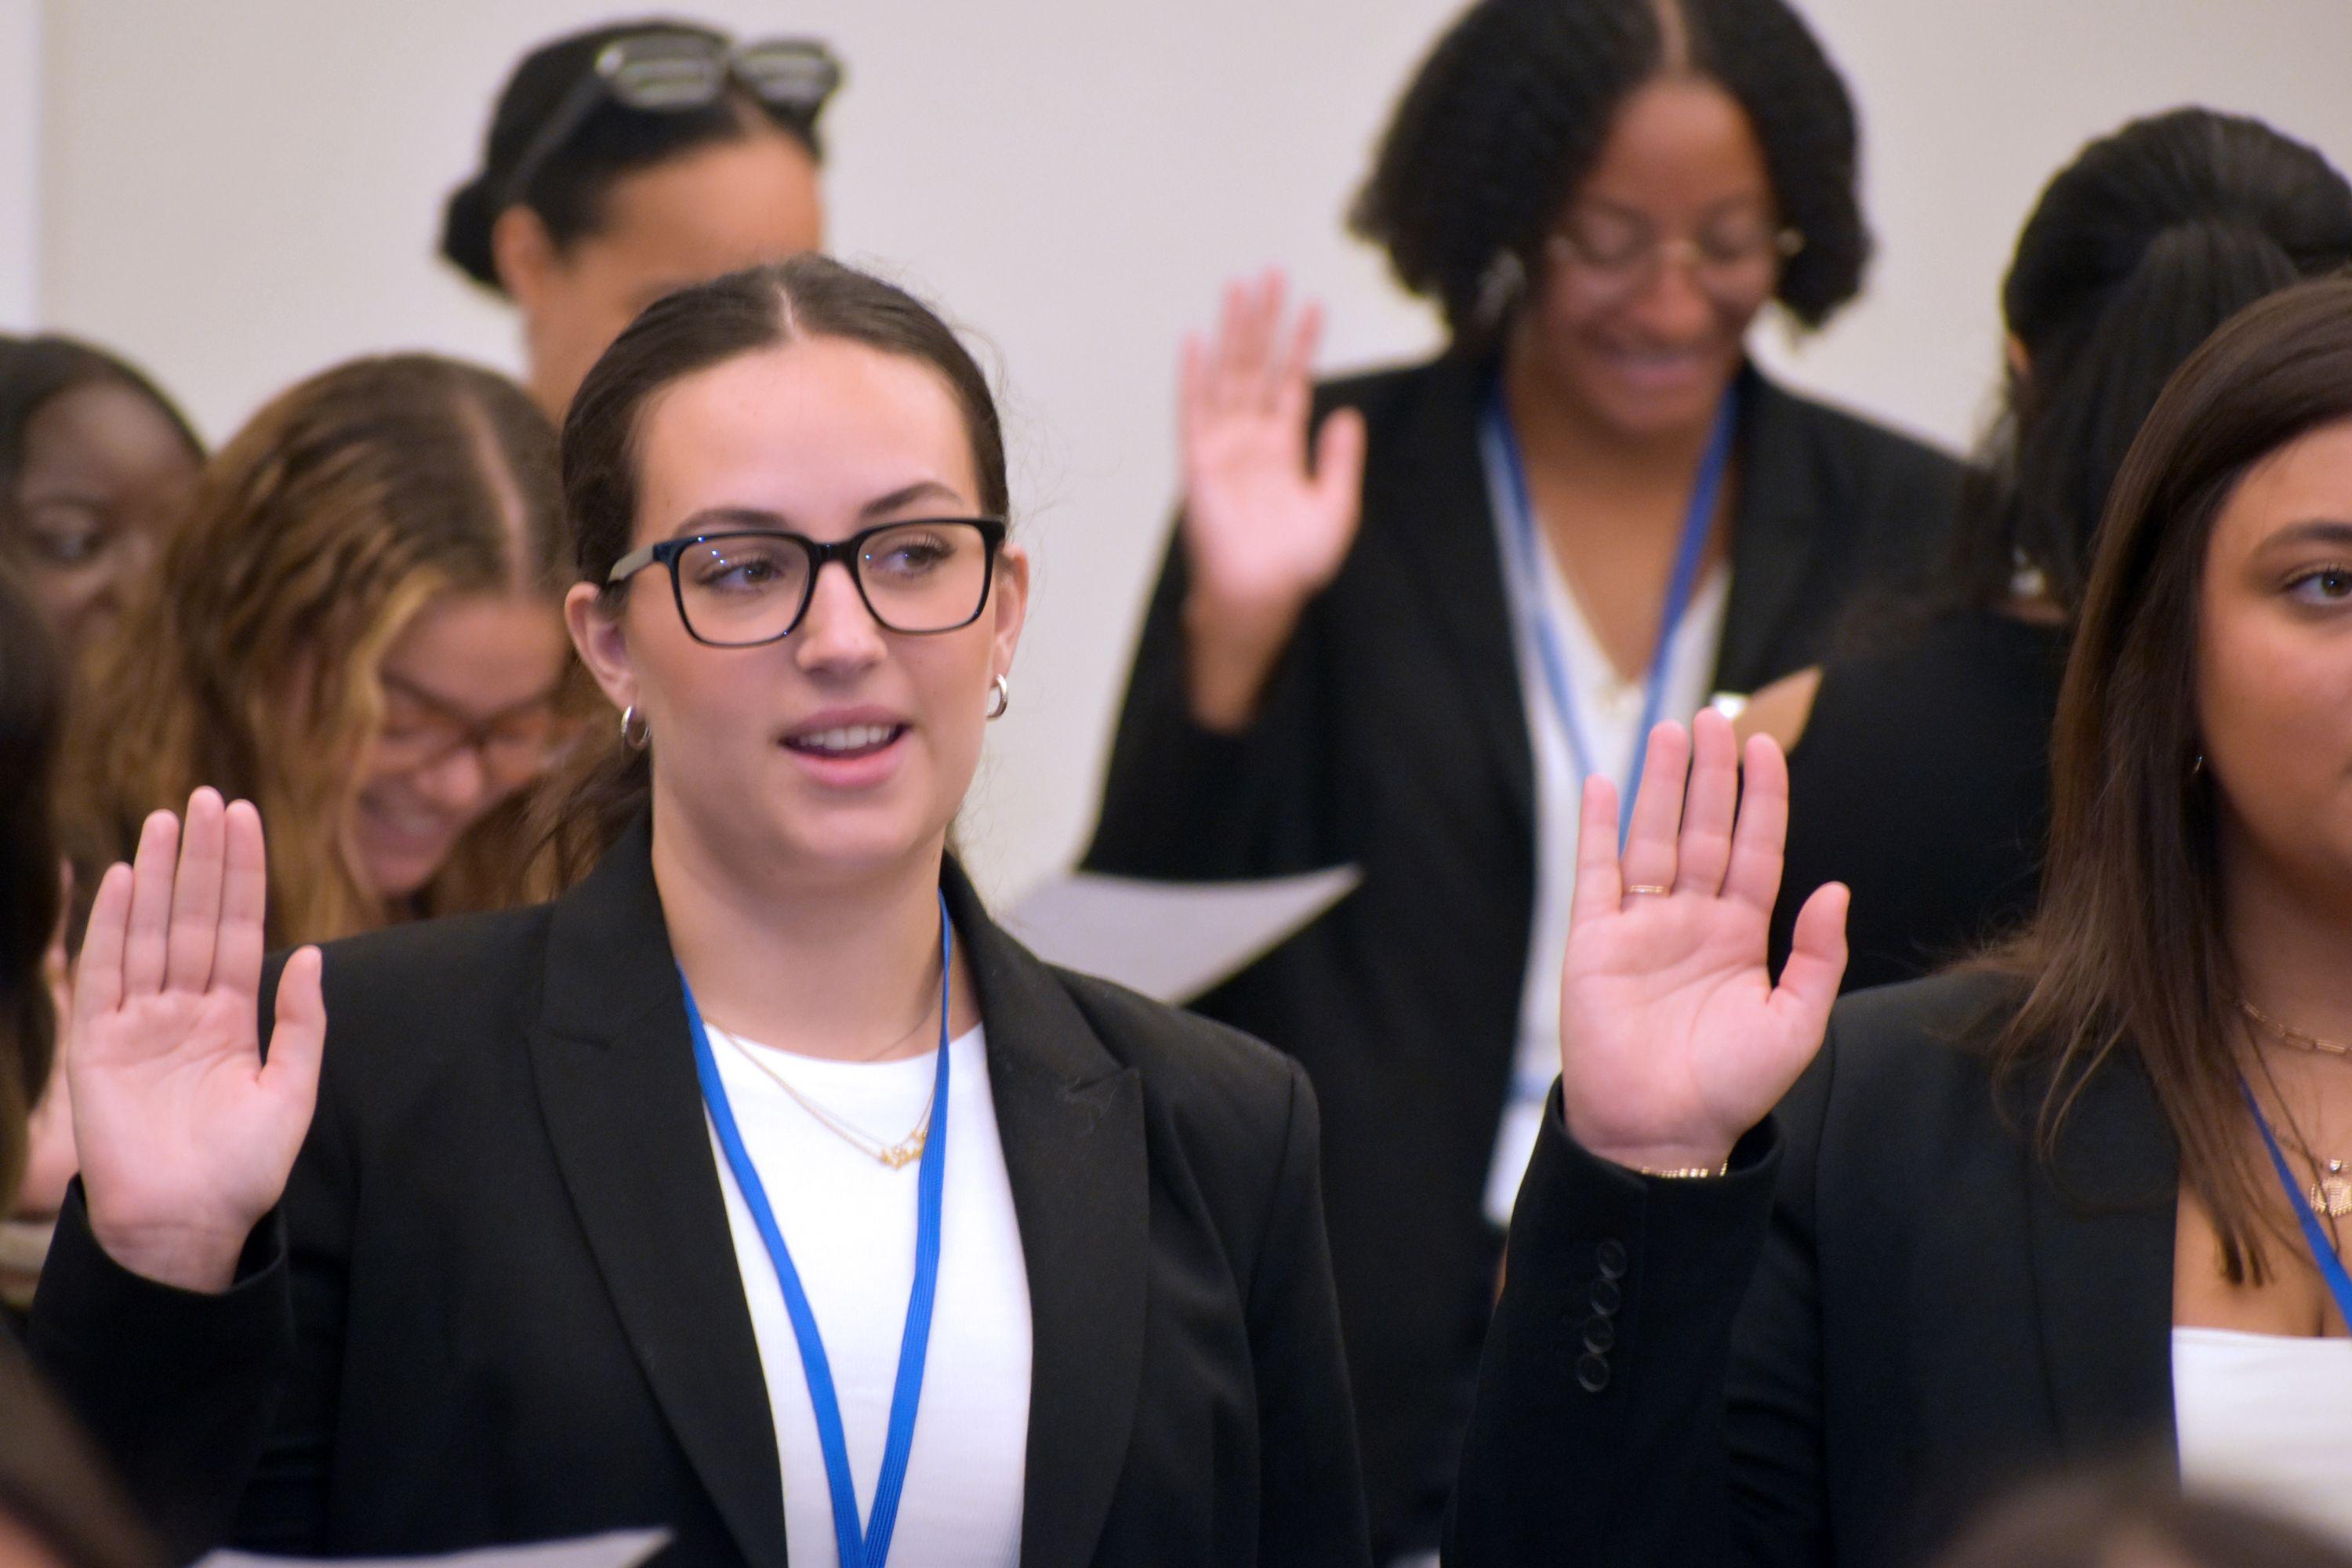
(666, 71)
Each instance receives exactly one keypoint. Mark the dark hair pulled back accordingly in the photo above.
(567, 190)
(686, 333)
(2136, 251)
(36, 372)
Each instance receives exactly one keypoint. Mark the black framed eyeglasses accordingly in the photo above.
(742, 588)
(666, 71)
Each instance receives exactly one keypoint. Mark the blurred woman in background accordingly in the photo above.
(1590, 512)
(628, 160)
(357, 628)
(1920, 773)
(34, 1165)
(96, 465)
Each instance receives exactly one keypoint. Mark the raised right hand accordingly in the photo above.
(1264, 532)
(186, 1135)
(1674, 1039)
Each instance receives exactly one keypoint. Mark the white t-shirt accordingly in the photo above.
(2266, 1419)
(1609, 712)
(849, 1221)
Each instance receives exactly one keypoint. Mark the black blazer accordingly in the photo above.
(515, 1311)
(1891, 1307)
(1393, 735)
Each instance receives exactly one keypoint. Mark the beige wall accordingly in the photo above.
(242, 190)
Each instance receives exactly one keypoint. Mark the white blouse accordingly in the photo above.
(849, 1221)
(1608, 709)
(2266, 1419)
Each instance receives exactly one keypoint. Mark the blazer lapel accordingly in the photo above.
(1775, 535)
(2101, 1219)
(624, 1110)
(1070, 1118)
(1435, 481)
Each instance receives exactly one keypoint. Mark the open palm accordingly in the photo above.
(1263, 532)
(1674, 1038)
(185, 1136)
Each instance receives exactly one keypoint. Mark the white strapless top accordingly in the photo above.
(2266, 1419)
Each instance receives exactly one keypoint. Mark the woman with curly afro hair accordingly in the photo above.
(1407, 613)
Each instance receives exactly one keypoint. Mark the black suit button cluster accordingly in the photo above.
(1599, 1332)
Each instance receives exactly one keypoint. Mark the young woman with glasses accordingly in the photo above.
(357, 628)
(1590, 513)
(759, 1187)
(626, 161)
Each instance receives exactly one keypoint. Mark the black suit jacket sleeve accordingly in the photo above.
(1650, 1390)
(178, 1387)
(1309, 1475)
(284, 1508)
(1185, 803)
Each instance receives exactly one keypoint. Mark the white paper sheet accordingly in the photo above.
(1172, 940)
(621, 1549)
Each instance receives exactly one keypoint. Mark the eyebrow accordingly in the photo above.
(2314, 530)
(714, 520)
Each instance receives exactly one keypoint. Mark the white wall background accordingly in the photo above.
(240, 192)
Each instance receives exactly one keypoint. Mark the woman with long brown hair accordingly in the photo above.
(357, 629)
(2084, 1196)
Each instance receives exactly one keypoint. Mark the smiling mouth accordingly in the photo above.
(848, 740)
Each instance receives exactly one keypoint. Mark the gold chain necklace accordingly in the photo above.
(2331, 1189)
(896, 1156)
(2289, 1035)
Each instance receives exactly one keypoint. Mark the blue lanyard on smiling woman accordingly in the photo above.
(867, 1545)
(1507, 477)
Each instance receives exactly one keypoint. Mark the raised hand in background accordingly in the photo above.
(1264, 529)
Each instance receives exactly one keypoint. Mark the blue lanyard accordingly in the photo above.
(1505, 465)
(2323, 1245)
(869, 1546)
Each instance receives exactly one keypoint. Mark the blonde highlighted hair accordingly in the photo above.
(251, 661)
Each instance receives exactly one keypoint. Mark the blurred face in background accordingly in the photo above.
(1649, 279)
(470, 693)
(705, 212)
(104, 474)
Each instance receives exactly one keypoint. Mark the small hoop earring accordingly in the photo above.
(2198, 766)
(1000, 695)
(634, 730)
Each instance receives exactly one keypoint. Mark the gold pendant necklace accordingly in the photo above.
(907, 1150)
(2331, 1194)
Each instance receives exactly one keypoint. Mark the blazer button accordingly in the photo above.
(1609, 1259)
(1599, 1335)
(1592, 1374)
(1607, 1298)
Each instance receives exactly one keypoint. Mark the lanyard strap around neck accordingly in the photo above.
(2323, 1245)
(867, 1545)
(1507, 471)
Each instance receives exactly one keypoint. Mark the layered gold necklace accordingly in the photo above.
(2331, 1189)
